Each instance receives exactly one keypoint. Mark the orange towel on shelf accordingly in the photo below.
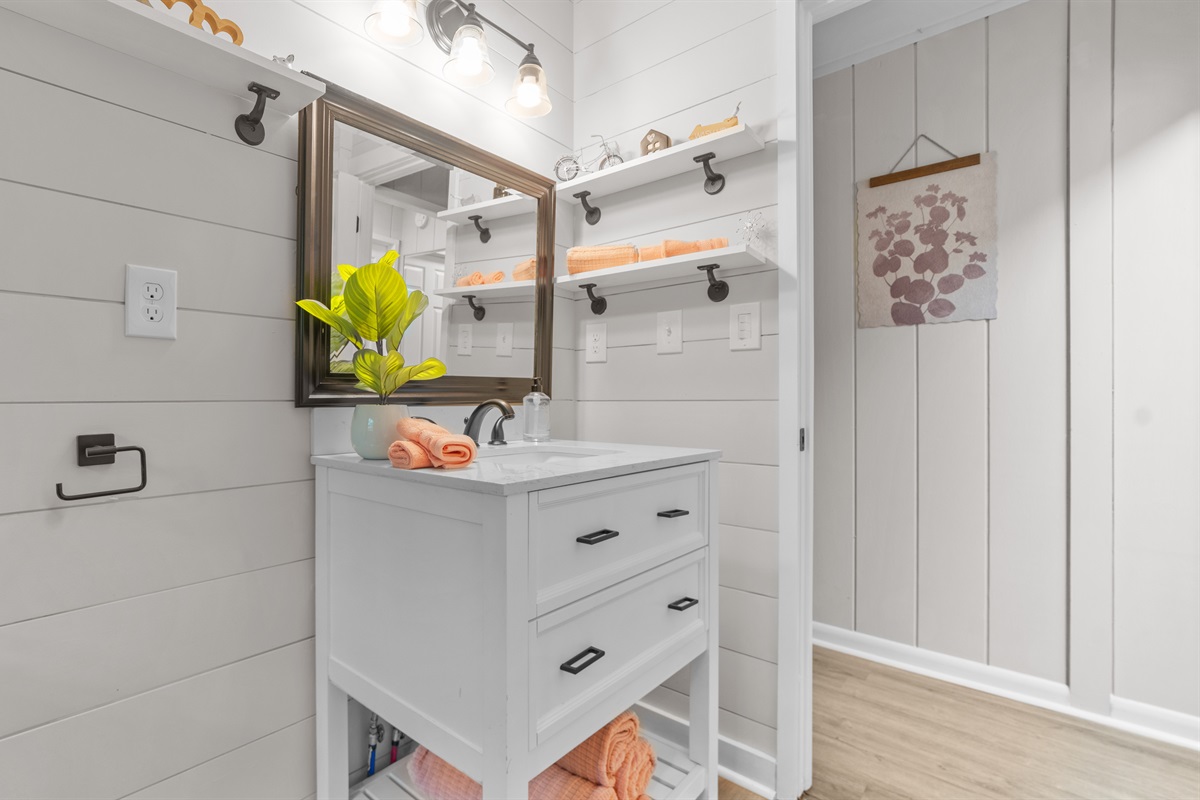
(652, 252)
(495, 277)
(599, 757)
(673, 247)
(634, 775)
(447, 450)
(526, 270)
(586, 259)
(408, 455)
(440, 781)
(463, 281)
(474, 279)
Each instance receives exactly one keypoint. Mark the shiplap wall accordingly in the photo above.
(942, 472)
(670, 66)
(168, 634)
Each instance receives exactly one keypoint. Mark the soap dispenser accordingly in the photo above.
(537, 414)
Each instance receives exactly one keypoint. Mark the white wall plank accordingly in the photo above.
(750, 624)
(731, 726)
(191, 447)
(834, 320)
(275, 767)
(216, 258)
(885, 380)
(749, 560)
(741, 680)
(1156, 401)
(597, 19)
(745, 431)
(952, 382)
(1028, 388)
(252, 355)
(749, 496)
(127, 749)
(201, 537)
(136, 645)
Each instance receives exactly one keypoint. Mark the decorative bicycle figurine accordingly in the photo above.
(569, 167)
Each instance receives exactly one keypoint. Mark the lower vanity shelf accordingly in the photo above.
(676, 777)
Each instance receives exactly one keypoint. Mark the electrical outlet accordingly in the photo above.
(150, 302)
(464, 340)
(504, 339)
(596, 343)
(745, 326)
(670, 332)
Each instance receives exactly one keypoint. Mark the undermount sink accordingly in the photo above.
(537, 453)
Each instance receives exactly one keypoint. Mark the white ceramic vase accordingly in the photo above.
(373, 428)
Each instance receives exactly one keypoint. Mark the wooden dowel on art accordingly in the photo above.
(921, 172)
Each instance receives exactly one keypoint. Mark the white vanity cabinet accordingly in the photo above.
(533, 603)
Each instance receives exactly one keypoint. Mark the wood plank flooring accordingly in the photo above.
(880, 732)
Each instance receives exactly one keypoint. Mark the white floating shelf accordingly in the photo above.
(734, 260)
(500, 208)
(675, 160)
(676, 777)
(489, 291)
(153, 35)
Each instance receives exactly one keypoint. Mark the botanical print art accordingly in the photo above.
(927, 248)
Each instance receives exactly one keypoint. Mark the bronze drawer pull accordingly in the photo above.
(678, 512)
(570, 666)
(683, 604)
(597, 537)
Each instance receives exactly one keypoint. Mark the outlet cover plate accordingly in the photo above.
(595, 343)
(504, 339)
(464, 340)
(745, 326)
(670, 332)
(151, 299)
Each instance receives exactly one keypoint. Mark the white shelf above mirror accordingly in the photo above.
(501, 208)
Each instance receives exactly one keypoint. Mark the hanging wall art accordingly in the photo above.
(926, 249)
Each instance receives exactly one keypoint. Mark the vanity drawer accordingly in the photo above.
(585, 537)
(587, 651)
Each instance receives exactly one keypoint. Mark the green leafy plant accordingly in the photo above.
(376, 307)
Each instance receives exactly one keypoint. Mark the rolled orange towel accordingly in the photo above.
(599, 757)
(495, 277)
(674, 247)
(411, 428)
(713, 244)
(437, 780)
(526, 270)
(652, 253)
(463, 281)
(408, 455)
(447, 450)
(634, 775)
(475, 279)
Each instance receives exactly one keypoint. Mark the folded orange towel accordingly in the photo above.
(437, 780)
(674, 247)
(495, 277)
(652, 252)
(586, 259)
(526, 270)
(447, 450)
(463, 281)
(634, 775)
(408, 455)
(600, 757)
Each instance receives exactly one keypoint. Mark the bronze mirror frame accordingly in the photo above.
(316, 385)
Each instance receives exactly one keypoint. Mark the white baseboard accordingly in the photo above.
(1140, 718)
(751, 769)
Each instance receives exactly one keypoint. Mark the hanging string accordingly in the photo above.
(920, 136)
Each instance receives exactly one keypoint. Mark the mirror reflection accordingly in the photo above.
(478, 274)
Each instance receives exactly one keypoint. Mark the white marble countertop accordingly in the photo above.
(501, 476)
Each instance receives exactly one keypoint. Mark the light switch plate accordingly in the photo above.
(596, 343)
(464, 340)
(151, 297)
(670, 332)
(745, 326)
(504, 339)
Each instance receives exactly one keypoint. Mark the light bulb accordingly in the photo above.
(528, 93)
(394, 19)
(470, 58)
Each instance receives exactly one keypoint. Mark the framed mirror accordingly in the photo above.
(473, 231)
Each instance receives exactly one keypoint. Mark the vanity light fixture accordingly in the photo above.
(458, 30)
(394, 23)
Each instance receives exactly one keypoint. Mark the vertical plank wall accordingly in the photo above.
(670, 66)
(165, 639)
(941, 475)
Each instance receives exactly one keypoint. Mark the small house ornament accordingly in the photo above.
(654, 141)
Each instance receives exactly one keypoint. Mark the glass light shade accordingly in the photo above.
(469, 63)
(530, 97)
(393, 23)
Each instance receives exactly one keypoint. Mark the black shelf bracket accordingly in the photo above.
(485, 234)
(717, 290)
(95, 449)
(714, 182)
(591, 213)
(249, 127)
(480, 311)
(599, 304)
